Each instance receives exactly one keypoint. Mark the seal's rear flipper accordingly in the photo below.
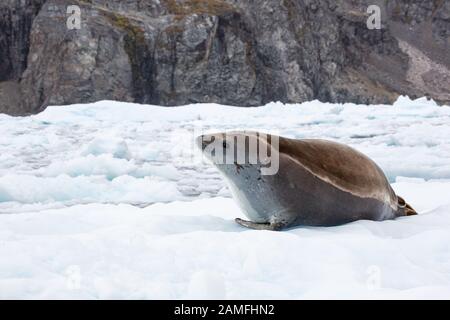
(260, 226)
(410, 211)
(405, 208)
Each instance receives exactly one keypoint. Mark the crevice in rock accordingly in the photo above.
(16, 20)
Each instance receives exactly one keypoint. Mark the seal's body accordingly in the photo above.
(318, 183)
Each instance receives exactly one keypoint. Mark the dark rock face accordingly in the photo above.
(236, 52)
(16, 18)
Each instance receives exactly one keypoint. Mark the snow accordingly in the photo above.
(113, 201)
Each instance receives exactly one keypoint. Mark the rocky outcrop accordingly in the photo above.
(16, 18)
(236, 52)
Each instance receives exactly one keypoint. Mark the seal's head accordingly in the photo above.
(247, 160)
(241, 150)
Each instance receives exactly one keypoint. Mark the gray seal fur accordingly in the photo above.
(318, 183)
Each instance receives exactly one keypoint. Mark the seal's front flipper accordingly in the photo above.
(260, 226)
(405, 208)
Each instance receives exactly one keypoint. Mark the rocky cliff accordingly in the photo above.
(236, 52)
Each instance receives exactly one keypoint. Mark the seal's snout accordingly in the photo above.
(213, 140)
(199, 142)
(203, 141)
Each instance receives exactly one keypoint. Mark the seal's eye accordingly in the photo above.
(225, 144)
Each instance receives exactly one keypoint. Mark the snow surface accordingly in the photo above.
(112, 200)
